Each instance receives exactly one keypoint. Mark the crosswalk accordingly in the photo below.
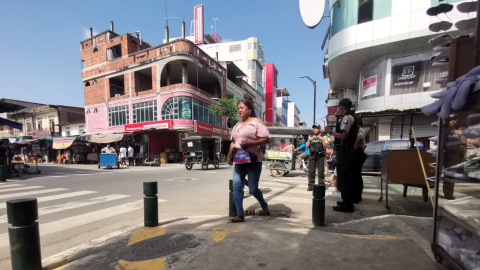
(64, 201)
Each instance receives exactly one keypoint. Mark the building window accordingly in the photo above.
(68, 132)
(115, 52)
(181, 108)
(29, 127)
(235, 48)
(145, 112)
(117, 86)
(143, 80)
(39, 125)
(117, 116)
(51, 124)
(252, 46)
(365, 11)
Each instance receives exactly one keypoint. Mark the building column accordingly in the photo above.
(168, 74)
(184, 72)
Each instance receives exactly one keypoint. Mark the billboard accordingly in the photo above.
(406, 74)
(164, 124)
(211, 129)
(369, 86)
(198, 24)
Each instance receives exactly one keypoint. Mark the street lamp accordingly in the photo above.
(314, 94)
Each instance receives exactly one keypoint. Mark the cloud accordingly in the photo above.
(86, 33)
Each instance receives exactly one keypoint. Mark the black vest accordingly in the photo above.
(316, 146)
(349, 141)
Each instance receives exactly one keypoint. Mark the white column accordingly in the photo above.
(388, 77)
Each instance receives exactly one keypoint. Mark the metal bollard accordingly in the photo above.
(24, 234)
(150, 204)
(9, 171)
(3, 173)
(318, 205)
(232, 209)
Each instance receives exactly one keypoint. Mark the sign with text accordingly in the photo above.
(41, 134)
(211, 129)
(164, 124)
(198, 24)
(406, 74)
(369, 86)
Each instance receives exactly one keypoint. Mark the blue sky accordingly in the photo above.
(41, 42)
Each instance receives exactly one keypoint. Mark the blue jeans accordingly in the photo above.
(253, 172)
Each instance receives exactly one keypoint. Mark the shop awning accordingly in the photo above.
(11, 124)
(106, 138)
(63, 143)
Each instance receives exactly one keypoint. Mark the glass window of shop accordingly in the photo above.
(372, 83)
(145, 112)
(118, 116)
(190, 109)
(410, 73)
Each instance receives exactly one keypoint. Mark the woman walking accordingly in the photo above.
(249, 134)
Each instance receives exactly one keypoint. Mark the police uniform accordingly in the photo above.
(359, 157)
(316, 162)
(345, 159)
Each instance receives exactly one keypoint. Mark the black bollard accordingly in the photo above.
(232, 209)
(24, 234)
(150, 204)
(3, 173)
(9, 171)
(318, 205)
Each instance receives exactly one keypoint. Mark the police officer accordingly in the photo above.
(359, 157)
(347, 135)
(317, 146)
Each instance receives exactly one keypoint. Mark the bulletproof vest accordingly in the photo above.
(349, 141)
(316, 146)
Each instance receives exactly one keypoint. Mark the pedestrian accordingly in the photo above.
(347, 134)
(359, 157)
(108, 149)
(306, 151)
(249, 135)
(316, 161)
(130, 155)
(123, 154)
(288, 147)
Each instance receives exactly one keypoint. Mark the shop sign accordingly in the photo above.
(41, 134)
(211, 129)
(164, 124)
(406, 74)
(370, 86)
(198, 24)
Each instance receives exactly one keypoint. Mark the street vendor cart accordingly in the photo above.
(109, 161)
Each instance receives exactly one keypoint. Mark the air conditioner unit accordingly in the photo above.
(117, 95)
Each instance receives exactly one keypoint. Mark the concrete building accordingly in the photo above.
(379, 56)
(286, 111)
(42, 120)
(293, 118)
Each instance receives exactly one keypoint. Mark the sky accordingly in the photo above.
(41, 42)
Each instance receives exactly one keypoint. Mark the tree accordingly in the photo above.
(227, 108)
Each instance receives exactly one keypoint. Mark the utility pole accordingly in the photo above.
(477, 40)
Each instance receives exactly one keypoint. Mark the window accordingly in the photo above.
(67, 127)
(68, 132)
(117, 86)
(365, 11)
(397, 145)
(252, 46)
(374, 148)
(39, 125)
(181, 108)
(118, 116)
(235, 48)
(145, 112)
(143, 80)
(114, 53)
(82, 64)
(29, 127)
(275, 81)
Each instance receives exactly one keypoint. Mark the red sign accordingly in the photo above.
(198, 24)
(41, 134)
(211, 129)
(370, 86)
(164, 124)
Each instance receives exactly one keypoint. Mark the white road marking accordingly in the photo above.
(82, 174)
(77, 221)
(57, 197)
(58, 176)
(7, 186)
(287, 190)
(20, 188)
(279, 184)
(21, 194)
(72, 205)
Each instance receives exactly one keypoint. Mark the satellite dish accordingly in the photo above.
(312, 11)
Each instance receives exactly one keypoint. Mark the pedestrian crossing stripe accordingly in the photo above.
(19, 188)
(8, 186)
(72, 205)
(58, 197)
(21, 194)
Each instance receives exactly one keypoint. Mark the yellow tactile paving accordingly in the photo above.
(146, 233)
(155, 264)
(219, 235)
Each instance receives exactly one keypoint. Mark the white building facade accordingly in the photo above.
(379, 57)
(293, 117)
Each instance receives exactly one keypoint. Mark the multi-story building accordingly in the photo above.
(379, 56)
(162, 91)
(43, 120)
(281, 109)
(293, 115)
(271, 75)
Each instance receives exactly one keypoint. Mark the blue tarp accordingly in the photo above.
(11, 123)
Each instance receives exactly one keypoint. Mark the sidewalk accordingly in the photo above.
(208, 242)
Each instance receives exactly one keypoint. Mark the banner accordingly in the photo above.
(198, 24)
(369, 86)
(211, 129)
(164, 124)
(406, 74)
(41, 134)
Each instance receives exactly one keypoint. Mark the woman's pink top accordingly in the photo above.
(250, 132)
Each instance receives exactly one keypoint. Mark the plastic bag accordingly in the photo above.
(241, 157)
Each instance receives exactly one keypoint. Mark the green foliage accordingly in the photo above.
(226, 108)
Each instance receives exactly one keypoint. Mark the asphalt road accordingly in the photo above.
(78, 203)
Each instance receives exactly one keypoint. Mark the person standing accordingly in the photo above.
(123, 154)
(108, 149)
(317, 146)
(249, 134)
(347, 134)
(130, 155)
(359, 157)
